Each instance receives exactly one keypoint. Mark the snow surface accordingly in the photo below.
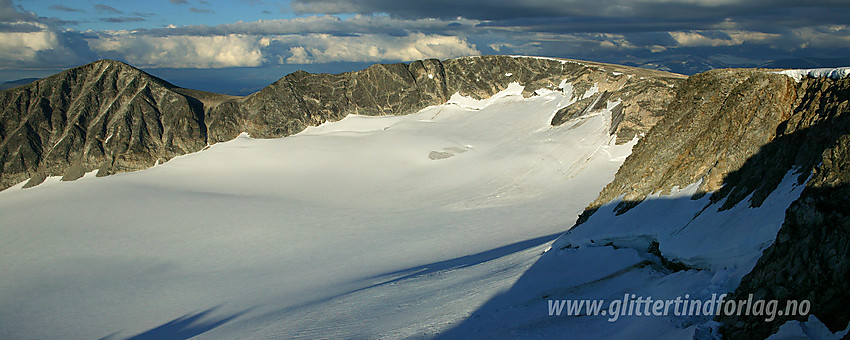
(606, 257)
(832, 73)
(811, 329)
(349, 229)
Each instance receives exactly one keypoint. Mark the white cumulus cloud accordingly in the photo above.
(208, 50)
(21, 46)
(696, 39)
(38, 46)
(323, 48)
(307, 40)
(181, 51)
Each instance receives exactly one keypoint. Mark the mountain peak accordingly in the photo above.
(104, 115)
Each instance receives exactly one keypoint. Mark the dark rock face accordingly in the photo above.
(111, 117)
(579, 108)
(810, 258)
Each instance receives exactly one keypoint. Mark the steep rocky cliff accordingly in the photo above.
(738, 133)
(112, 117)
(809, 259)
(718, 120)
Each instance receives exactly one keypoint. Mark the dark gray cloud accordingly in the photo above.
(107, 9)
(510, 9)
(122, 19)
(9, 13)
(178, 2)
(324, 25)
(603, 16)
(627, 31)
(19, 27)
(200, 10)
(593, 24)
(253, 2)
(64, 8)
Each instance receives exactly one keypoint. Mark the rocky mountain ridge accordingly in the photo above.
(738, 132)
(111, 117)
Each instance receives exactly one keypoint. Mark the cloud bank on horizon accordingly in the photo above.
(255, 33)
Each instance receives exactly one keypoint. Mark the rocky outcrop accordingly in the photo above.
(810, 259)
(642, 94)
(111, 117)
(643, 101)
(718, 120)
(581, 108)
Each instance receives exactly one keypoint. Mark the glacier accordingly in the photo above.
(345, 229)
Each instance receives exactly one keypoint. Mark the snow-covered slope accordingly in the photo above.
(367, 227)
(702, 252)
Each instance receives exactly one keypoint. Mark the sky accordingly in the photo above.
(254, 42)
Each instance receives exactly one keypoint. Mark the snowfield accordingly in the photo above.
(607, 257)
(367, 227)
(832, 73)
